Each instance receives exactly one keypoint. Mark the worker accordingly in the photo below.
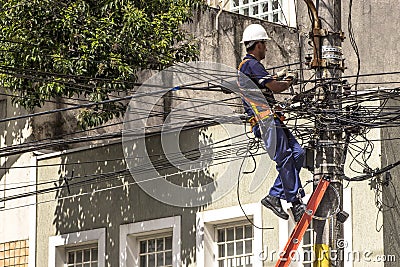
(287, 152)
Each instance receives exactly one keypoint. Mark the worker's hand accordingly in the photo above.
(291, 76)
(281, 74)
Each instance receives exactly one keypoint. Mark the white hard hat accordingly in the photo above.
(254, 32)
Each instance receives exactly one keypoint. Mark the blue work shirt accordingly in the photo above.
(253, 69)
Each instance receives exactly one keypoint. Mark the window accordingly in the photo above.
(156, 251)
(14, 253)
(82, 257)
(235, 245)
(277, 11)
(226, 238)
(270, 10)
(79, 249)
(307, 247)
(304, 255)
(151, 243)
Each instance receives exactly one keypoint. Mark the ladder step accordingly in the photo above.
(301, 227)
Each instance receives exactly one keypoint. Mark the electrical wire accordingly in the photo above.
(217, 154)
(353, 42)
(320, 113)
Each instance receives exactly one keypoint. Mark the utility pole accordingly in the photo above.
(327, 61)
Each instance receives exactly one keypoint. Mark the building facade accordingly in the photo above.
(99, 215)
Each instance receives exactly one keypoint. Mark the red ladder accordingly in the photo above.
(301, 227)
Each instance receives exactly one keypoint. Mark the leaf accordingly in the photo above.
(72, 48)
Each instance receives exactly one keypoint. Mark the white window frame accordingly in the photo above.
(155, 237)
(80, 248)
(261, 15)
(131, 233)
(310, 246)
(58, 244)
(286, 11)
(286, 227)
(206, 221)
(233, 225)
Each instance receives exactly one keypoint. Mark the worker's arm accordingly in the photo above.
(278, 86)
(265, 79)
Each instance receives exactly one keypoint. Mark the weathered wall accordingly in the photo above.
(364, 218)
(373, 26)
(220, 45)
(219, 39)
(58, 214)
(218, 42)
(123, 205)
(374, 29)
(14, 173)
(110, 208)
(391, 208)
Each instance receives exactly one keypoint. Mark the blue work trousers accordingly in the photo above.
(289, 157)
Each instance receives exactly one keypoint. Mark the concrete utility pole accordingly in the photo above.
(327, 40)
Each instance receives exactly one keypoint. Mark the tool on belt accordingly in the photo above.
(264, 114)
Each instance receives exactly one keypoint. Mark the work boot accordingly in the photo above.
(274, 204)
(298, 210)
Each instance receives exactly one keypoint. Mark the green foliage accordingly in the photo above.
(53, 48)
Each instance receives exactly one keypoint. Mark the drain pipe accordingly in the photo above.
(317, 33)
(219, 13)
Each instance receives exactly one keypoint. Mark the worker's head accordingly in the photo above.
(254, 38)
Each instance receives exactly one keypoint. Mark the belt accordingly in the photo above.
(254, 119)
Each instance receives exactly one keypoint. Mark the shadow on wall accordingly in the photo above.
(391, 194)
(391, 217)
(107, 196)
(13, 134)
